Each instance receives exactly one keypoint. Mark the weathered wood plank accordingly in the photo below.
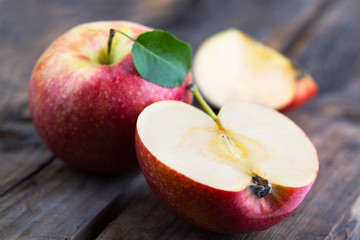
(348, 227)
(272, 22)
(147, 218)
(329, 48)
(60, 202)
(21, 154)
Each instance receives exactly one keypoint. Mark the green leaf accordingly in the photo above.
(161, 58)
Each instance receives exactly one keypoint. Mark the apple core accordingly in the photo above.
(239, 154)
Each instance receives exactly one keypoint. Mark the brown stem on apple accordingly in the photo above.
(111, 36)
(260, 187)
(110, 40)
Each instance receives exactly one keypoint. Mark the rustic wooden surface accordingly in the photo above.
(42, 198)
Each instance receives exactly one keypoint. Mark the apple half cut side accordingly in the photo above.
(232, 66)
(245, 172)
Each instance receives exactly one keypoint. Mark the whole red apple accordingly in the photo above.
(84, 104)
(246, 171)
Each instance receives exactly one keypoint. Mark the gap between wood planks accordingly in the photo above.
(348, 227)
(30, 175)
(99, 222)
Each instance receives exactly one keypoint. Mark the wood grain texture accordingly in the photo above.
(348, 227)
(272, 22)
(21, 154)
(329, 48)
(60, 202)
(148, 218)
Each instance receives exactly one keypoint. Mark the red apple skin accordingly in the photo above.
(86, 115)
(306, 89)
(214, 209)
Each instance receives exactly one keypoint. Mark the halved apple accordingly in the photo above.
(245, 170)
(232, 66)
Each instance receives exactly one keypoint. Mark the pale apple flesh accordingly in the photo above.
(231, 66)
(84, 105)
(207, 174)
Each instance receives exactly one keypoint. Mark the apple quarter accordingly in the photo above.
(232, 66)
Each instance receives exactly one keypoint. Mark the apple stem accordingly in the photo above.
(192, 87)
(111, 36)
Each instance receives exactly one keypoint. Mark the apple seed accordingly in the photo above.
(260, 187)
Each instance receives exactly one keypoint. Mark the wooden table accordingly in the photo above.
(42, 198)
